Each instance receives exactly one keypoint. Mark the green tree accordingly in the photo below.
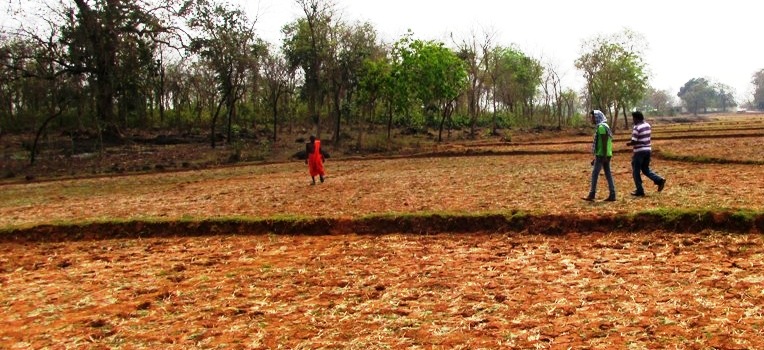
(657, 102)
(227, 42)
(374, 85)
(517, 78)
(440, 76)
(700, 94)
(276, 75)
(32, 93)
(306, 46)
(350, 47)
(615, 73)
(400, 82)
(15, 57)
(725, 96)
(758, 94)
(99, 36)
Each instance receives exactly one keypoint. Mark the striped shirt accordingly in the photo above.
(640, 137)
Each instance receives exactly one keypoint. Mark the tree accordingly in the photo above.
(14, 60)
(553, 94)
(177, 89)
(517, 78)
(97, 35)
(700, 93)
(569, 101)
(398, 80)
(615, 73)
(696, 94)
(276, 74)
(375, 83)
(350, 47)
(31, 86)
(306, 46)
(228, 44)
(758, 94)
(475, 54)
(440, 75)
(658, 102)
(725, 96)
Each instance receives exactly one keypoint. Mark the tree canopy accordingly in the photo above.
(615, 72)
(700, 94)
(104, 68)
(758, 94)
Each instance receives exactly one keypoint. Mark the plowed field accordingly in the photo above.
(495, 289)
(606, 291)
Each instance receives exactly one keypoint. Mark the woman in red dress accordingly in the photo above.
(315, 159)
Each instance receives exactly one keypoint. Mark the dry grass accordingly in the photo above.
(533, 183)
(600, 291)
(585, 290)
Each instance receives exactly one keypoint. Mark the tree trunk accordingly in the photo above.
(473, 107)
(105, 110)
(231, 109)
(33, 152)
(625, 119)
(160, 98)
(215, 120)
(446, 114)
(389, 119)
(275, 110)
(337, 115)
(494, 131)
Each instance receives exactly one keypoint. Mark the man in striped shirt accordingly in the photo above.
(640, 161)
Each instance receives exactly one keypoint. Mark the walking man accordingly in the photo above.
(602, 147)
(640, 161)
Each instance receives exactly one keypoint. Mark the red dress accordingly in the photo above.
(316, 160)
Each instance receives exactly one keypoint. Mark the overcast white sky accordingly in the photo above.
(720, 40)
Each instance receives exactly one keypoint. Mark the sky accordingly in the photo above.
(718, 40)
(686, 39)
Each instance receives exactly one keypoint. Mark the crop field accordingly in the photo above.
(469, 245)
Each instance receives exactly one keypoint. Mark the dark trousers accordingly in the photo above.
(640, 163)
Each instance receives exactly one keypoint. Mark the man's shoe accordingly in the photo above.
(588, 198)
(610, 199)
(638, 194)
(661, 185)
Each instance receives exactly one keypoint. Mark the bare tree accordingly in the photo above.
(475, 53)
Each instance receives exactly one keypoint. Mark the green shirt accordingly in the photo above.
(599, 151)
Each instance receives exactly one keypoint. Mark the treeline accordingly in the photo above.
(200, 67)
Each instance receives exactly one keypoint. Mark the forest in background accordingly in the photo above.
(87, 75)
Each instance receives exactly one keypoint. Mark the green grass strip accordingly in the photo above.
(706, 160)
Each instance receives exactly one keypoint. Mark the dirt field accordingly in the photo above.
(603, 291)
(495, 289)
(533, 183)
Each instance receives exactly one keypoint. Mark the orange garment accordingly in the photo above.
(316, 160)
